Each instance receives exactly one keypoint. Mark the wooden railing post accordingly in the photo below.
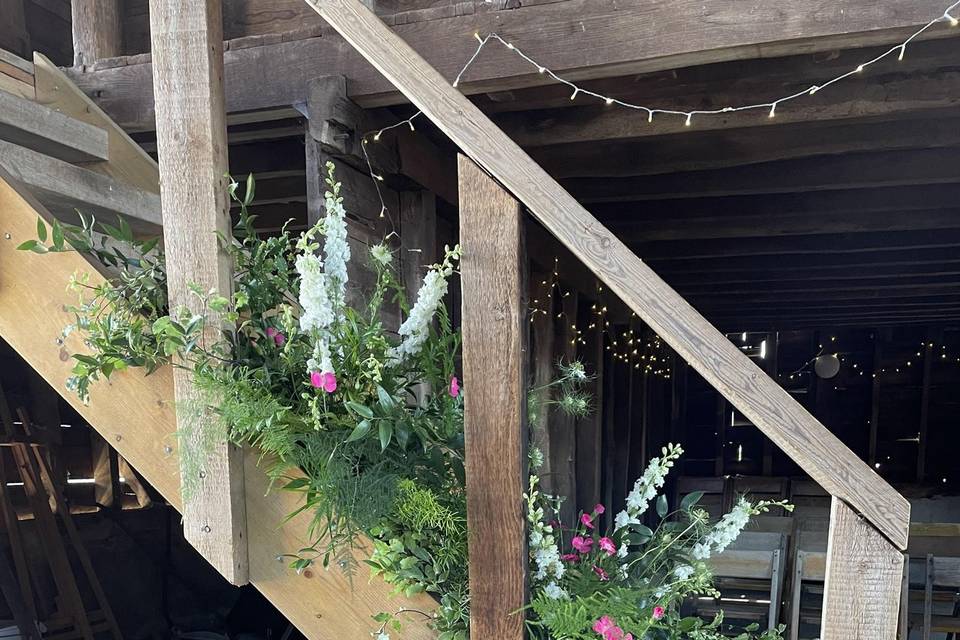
(494, 358)
(187, 40)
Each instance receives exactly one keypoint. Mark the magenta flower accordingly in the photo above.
(607, 545)
(604, 625)
(454, 387)
(277, 337)
(600, 573)
(326, 381)
(569, 557)
(599, 509)
(581, 544)
(586, 520)
(658, 612)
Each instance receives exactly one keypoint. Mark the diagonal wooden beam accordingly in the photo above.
(746, 386)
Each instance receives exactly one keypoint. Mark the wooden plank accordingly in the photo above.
(862, 584)
(65, 188)
(494, 337)
(106, 473)
(885, 97)
(581, 39)
(28, 124)
(188, 82)
(135, 413)
(96, 30)
(759, 398)
(128, 162)
(17, 87)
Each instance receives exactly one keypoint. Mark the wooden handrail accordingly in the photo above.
(820, 453)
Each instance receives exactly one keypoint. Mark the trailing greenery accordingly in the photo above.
(365, 423)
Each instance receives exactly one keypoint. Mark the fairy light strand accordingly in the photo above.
(687, 115)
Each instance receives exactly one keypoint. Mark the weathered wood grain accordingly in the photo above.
(760, 399)
(861, 592)
(65, 188)
(96, 30)
(494, 358)
(192, 145)
(582, 39)
(28, 124)
(135, 414)
(128, 162)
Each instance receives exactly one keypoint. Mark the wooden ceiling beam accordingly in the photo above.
(852, 171)
(884, 97)
(739, 147)
(582, 39)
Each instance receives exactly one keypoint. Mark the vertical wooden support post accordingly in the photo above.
(494, 355)
(96, 30)
(861, 594)
(187, 38)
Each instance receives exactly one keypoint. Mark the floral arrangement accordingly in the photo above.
(366, 423)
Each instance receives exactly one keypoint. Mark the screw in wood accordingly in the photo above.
(206, 528)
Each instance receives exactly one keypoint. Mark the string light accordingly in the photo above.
(771, 107)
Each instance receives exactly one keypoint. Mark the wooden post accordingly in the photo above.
(192, 146)
(96, 30)
(861, 593)
(494, 340)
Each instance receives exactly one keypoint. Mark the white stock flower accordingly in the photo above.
(555, 592)
(725, 531)
(415, 329)
(683, 571)
(320, 360)
(336, 251)
(646, 486)
(317, 310)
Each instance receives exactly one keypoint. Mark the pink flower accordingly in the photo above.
(278, 338)
(454, 387)
(604, 625)
(326, 381)
(586, 520)
(569, 557)
(606, 544)
(599, 509)
(658, 612)
(600, 573)
(581, 544)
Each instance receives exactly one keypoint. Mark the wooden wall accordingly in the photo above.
(242, 18)
(37, 25)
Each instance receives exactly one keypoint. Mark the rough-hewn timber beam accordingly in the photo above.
(760, 399)
(192, 145)
(582, 39)
(96, 30)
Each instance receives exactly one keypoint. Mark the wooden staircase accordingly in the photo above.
(59, 153)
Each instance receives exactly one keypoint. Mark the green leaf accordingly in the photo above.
(41, 230)
(296, 483)
(57, 236)
(687, 624)
(690, 500)
(360, 409)
(662, 506)
(248, 198)
(360, 431)
(386, 433)
(32, 245)
(386, 400)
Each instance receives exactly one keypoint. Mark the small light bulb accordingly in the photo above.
(689, 120)
(649, 116)
(476, 34)
(383, 212)
(814, 89)
(376, 136)
(510, 46)
(542, 69)
(953, 21)
(609, 101)
(773, 110)
(456, 83)
(410, 122)
(903, 52)
(576, 90)
(860, 68)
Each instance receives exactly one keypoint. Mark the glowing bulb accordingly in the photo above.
(510, 46)
(953, 21)
(542, 69)
(609, 101)
(814, 89)
(410, 122)
(773, 110)
(576, 90)
(383, 212)
(689, 120)
(860, 68)
(476, 34)
(376, 136)
(649, 116)
(903, 52)
(456, 83)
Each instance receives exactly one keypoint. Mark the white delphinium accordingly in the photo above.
(543, 545)
(725, 531)
(336, 249)
(416, 328)
(320, 360)
(684, 571)
(646, 487)
(318, 312)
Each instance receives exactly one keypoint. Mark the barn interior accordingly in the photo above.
(823, 238)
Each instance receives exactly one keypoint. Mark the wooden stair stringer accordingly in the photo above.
(135, 414)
